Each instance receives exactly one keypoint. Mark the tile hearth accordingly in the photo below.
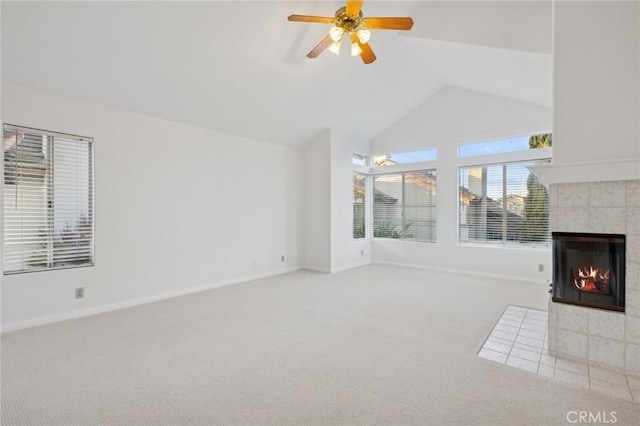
(519, 340)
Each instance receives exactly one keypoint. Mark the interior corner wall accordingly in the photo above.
(597, 81)
(177, 209)
(328, 242)
(346, 252)
(453, 116)
(317, 204)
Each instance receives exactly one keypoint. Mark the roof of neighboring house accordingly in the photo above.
(28, 150)
(494, 209)
(384, 162)
(383, 197)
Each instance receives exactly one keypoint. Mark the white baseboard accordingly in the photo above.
(81, 313)
(462, 272)
(353, 265)
(334, 270)
(316, 269)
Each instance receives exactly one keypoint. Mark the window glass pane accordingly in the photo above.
(72, 203)
(404, 206)
(359, 205)
(25, 208)
(419, 205)
(359, 160)
(405, 157)
(501, 146)
(387, 206)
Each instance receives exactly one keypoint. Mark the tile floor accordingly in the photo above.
(519, 340)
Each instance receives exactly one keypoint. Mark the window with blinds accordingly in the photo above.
(359, 205)
(47, 215)
(404, 206)
(502, 203)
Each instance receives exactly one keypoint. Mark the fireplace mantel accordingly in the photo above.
(596, 171)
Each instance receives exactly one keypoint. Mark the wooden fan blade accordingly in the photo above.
(353, 7)
(320, 47)
(367, 54)
(308, 18)
(388, 23)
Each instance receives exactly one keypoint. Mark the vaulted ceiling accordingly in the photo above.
(240, 66)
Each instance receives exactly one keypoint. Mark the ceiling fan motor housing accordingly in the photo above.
(349, 23)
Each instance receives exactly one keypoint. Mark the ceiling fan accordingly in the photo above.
(349, 22)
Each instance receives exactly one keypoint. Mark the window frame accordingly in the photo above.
(530, 157)
(49, 200)
(405, 169)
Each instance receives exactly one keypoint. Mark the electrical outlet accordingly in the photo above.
(282, 258)
(80, 293)
(361, 252)
(540, 267)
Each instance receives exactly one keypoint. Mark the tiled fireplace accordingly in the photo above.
(584, 330)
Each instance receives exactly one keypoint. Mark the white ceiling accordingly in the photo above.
(240, 66)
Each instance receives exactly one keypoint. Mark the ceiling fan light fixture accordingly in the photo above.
(335, 47)
(355, 49)
(363, 35)
(349, 21)
(336, 33)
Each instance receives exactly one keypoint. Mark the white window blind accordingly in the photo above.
(359, 203)
(404, 206)
(502, 203)
(47, 214)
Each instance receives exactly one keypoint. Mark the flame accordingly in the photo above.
(593, 273)
(593, 280)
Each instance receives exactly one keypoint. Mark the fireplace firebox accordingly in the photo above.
(588, 269)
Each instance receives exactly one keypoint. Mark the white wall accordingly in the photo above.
(345, 251)
(317, 204)
(177, 208)
(450, 117)
(328, 242)
(515, 25)
(597, 81)
(454, 116)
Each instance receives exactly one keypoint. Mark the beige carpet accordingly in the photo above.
(374, 345)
